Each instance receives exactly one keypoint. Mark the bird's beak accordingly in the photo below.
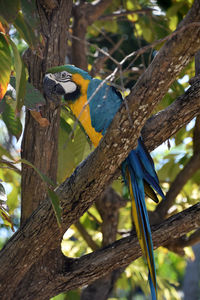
(51, 87)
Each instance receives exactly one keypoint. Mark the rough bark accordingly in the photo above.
(66, 273)
(38, 146)
(40, 232)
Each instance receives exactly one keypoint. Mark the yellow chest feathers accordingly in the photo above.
(81, 110)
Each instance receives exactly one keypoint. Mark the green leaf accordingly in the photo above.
(4, 209)
(56, 206)
(5, 64)
(20, 77)
(5, 152)
(66, 158)
(9, 9)
(80, 145)
(29, 10)
(44, 177)
(25, 30)
(12, 122)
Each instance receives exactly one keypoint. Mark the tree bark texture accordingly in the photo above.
(65, 274)
(39, 144)
(40, 233)
(31, 246)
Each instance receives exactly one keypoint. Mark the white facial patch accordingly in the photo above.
(68, 86)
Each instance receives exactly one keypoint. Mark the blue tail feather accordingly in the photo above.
(137, 168)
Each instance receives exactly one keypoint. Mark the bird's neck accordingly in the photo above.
(80, 108)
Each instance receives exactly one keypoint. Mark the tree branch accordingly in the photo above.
(66, 274)
(84, 15)
(40, 233)
(90, 242)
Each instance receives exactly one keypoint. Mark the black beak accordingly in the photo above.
(51, 88)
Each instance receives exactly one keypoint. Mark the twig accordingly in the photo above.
(86, 236)
(123, 13)
(94, 218)
(10, 166)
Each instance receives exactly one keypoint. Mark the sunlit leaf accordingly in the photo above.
(12, 122)
(20, 77)
(2, 29)
(4, 209)
(56, 206)
(66, 158)
(44, 177)
(25, 30)
(5, 152)
(5, 64)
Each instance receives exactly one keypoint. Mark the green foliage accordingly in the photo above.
(12, 122)
(20, 77)
(134, 31)
(25, 30)
(9, 10)
(73, 145)
(5, 64)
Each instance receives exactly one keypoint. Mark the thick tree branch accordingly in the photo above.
(84, 15)
(40, 233)
(41, 229)
(66, 273)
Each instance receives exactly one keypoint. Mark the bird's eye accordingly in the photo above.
(64, 74)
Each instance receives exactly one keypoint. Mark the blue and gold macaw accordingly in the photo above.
(77, 87)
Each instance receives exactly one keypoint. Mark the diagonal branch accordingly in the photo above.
(40, 233)
(66, 273)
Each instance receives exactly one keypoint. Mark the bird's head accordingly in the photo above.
(62, 81)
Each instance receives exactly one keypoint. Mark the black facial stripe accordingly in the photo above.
(65, 79)
(74, 95)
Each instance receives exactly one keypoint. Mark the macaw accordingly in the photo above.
(95, 103)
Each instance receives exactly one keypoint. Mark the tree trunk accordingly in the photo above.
(39, 145)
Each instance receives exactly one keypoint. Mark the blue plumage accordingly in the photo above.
(104, 104)
(137, 170)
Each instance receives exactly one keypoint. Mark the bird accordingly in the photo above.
(94, 103)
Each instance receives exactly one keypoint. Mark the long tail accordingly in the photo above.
(139, 173)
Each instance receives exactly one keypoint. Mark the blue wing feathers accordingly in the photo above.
(103, 105)
(140, 167)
